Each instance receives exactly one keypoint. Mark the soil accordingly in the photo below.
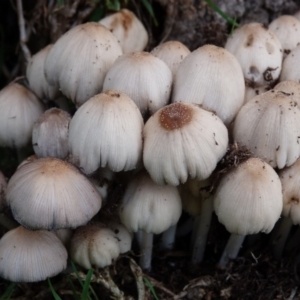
(255, 274)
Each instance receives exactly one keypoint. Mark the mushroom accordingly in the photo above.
(290, 66)
(289, 87)
(269, 126)
(48, 193)
(183, 140)
(172, 53)
(287, 30)
(111, 125)
(146, 79)
(78, 61)
(259, 53)
(150, 209)
(128, 29)
(211, 76)
(31, 256)
(247, 200)
(50, 134)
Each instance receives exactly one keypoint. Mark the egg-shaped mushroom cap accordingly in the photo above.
(146, 79)
(183, 140)
(149, 207)
(30, 256)
(287, 29)
(289, 87)
(107, 132)
(94, 246)
(290, 66)
(172, 53)
(290, 180)
(269, 126)
(36, 77)
(248, 198)
(49, 193)
(258, 51)
(128, 29)
(78, 61)
(19, 109)
(50, 134)
(3, 186)
(211, 76)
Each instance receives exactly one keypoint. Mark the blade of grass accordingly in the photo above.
(97, 14)
(8, 292)
(226, 17)
(73, 288)
(151, 288)
(150, 10)
(60, 2)
(86, 287)
(113, 5)
(55, 295)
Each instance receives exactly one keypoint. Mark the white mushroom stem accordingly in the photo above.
(168, 238)
(201, 228)
(139, 237)
(232, 249)
(280, 236)
(146, 251)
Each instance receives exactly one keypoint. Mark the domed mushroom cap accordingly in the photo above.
(30, 256)
(19, 109)
(49, 193)
(248, 199)
(78, 61)
(111, 125)
(172, 53)
(290, 179)
(50, 134)
(3, 186)
(211, 76)
(183, 140)
(289, 87)
(94, 246)
(251, 92)
(128, 30)
(258, 51)
(149, 207)
(290, 66)
(287, 30)
(146, 79)
(36, 77)
(269, 126)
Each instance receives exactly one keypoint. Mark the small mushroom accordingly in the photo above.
(290, 66)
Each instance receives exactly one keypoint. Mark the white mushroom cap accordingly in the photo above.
(149, 207)
(19, 109)
(287, 30)
(146, 79)
(78, 61)
(248, 199)
(269, 126)
(290, 179)
(290, 87)
(259, 52)
(211, 76)
(64, 235)
(3, 186)
(50, 134)
(128, 29)
(49, 193)
(291, 67)
(183, 140)
(107, 132)
(172, 53)
(252, 91)
(94, 246)
(30, 256)
(36, 77)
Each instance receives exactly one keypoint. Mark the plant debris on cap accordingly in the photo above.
(49, 193)
(30, 256)
(183, 140)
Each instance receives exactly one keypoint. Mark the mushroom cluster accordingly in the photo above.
(157, 123)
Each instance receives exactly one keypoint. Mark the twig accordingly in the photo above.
(138, 274)
(23, 36)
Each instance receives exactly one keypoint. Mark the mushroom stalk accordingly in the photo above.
(232, 249)
(201, 228)
(280, 236)
(168, 238)
(146, 251)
